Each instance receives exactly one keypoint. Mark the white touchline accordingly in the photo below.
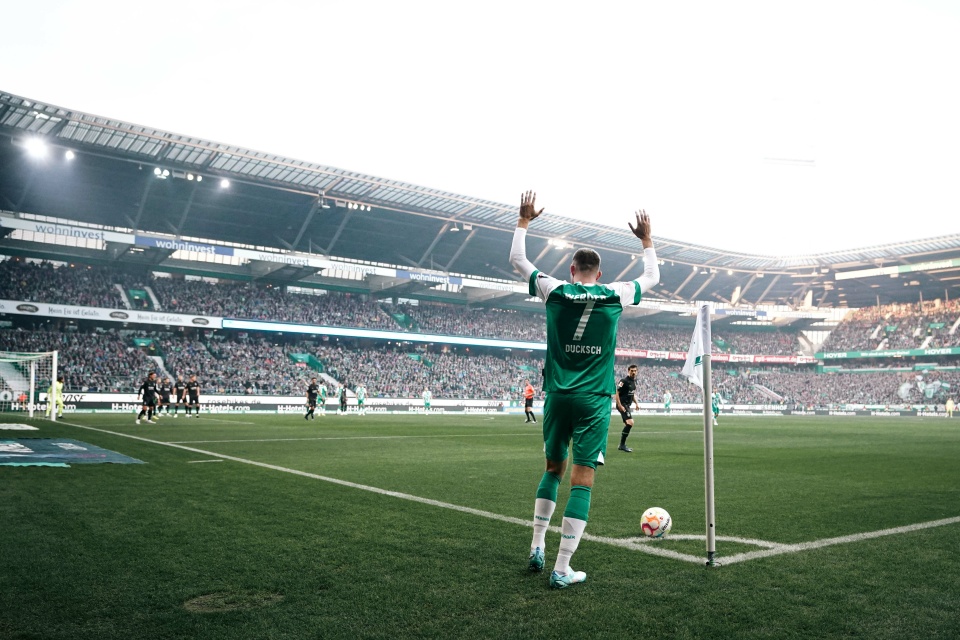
(199, 461)
(627, 543)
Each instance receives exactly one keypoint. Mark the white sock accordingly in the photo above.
(542, 513)
(572, 530)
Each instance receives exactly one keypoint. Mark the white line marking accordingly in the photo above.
(688, 536)
(199, 461)
(827, 542)
(224, 421)
(450, 435)
(403, 496)
(628, 543)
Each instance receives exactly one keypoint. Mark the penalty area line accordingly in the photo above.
(626, 544)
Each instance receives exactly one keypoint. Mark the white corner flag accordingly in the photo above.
(697, 370)
(699, 346)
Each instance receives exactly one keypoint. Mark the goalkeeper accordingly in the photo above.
(55, 395)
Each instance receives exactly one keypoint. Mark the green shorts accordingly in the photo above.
(585, 419)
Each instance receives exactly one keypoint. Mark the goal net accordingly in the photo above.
(26, 380)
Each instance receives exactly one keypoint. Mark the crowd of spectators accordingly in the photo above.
(110, 361)
(95, 286)
(897, 326)
(265, 302)
(81, 285)
(101, 361)
(395, 373)
(243, 366)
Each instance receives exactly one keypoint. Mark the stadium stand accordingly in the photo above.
(103, 361)
(897, 326)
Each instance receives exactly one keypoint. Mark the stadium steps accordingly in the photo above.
(161, 369)
(123, 297)
(13, 378)
(154, 300)
(767, 391)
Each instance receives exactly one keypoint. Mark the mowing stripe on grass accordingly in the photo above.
(448, 435)
(451, 435)
(774, 549)
(627, 544)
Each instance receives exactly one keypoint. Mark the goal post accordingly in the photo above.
(26, 380)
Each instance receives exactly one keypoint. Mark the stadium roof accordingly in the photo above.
(294, 205)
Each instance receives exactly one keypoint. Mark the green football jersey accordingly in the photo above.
(582, 332)
(323, 392)
(361, 393)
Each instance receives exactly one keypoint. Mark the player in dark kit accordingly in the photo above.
(180, 393)
(193, 396)
(313, 390)
(149, 392)
(627, 395)
(164, 389)
(343, 399)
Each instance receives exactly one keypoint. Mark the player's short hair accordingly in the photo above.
(632, 366)
(586, 260)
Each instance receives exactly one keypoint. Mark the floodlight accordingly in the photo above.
(69, 155)
(224, 183)
(157, 171)
(36, 148)
(189, 176)
(166, 173)
(199, 178)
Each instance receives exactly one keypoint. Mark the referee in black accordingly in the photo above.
(626, 396)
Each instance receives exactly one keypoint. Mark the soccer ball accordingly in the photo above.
(655, 522)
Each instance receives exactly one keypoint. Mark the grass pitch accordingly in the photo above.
(263, 545)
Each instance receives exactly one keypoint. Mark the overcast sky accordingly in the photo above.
(766, 127)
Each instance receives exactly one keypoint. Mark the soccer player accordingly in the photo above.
(528, 394)
(625, 396)
(193, 396)
(427, 397)
(55, 397)
(313, 391)
(164, 389)
(361, 399)
(323, 399)
(180, 393)
(715, 400)
(667, 401)
(343, 399)
(582, 319)
(149, 392)
(949, 407)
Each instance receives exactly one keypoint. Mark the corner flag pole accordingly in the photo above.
(697, 370)
(708, 437)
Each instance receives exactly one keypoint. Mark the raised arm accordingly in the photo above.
(518, 250)
(651, 268)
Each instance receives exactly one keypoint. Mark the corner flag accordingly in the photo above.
(697, 370)
(699, 346)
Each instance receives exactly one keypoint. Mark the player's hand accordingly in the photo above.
(528, 209)
(642, 230)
